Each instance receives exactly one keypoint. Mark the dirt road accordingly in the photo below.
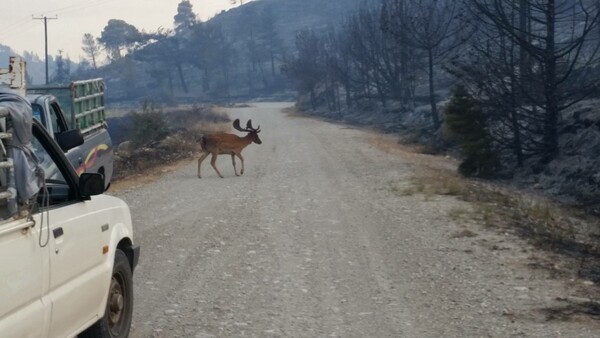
(315, 240)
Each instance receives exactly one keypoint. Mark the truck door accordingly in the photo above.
(23, 280)
(80, 270)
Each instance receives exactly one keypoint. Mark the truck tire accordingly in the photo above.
(116, 321)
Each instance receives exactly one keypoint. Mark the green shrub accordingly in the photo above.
(466, 124)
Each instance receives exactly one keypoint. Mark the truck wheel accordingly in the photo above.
(117, 318)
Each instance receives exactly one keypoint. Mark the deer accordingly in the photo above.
(224, 143)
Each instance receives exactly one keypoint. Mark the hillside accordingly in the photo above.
(290, 16)
(231, 57)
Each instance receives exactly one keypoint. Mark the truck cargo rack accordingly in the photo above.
(83, 102)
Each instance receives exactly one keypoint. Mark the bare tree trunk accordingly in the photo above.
(348, 94)
(272, 62)
(434, 114)
(514, 121)
(552, 111)
(170, 83)
(404, 70)
(338, 106)
(380, 91)
(524, 73)
(206, 80)
(523, 29)
(182, 78)
(263, 76)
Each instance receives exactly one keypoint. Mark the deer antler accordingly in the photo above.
(236, 125)
(249, 126)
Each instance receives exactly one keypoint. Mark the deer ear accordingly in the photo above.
(249, 125)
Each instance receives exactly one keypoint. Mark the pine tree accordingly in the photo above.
(185, 17)
(63, 69)
(466, 123)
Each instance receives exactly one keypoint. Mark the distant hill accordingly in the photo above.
(240, 72)
(234, 65)
(291, 15)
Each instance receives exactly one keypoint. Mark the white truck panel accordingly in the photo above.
(80, 269)
(22, 309)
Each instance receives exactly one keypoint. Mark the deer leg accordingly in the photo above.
(213, 160)
(204, 155)
(233, 161)
(239, 155)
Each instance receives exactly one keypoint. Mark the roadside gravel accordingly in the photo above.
(317, 240)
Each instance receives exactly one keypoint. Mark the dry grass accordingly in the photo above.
(430, 186)
(535, 217)
(459, 213)
(546, 223)
(463, 233)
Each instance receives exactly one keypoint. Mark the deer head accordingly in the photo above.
(253, 132)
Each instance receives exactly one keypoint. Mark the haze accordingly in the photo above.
(20, 31)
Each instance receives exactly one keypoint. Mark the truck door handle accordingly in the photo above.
(58, 232)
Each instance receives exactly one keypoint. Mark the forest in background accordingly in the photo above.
(237, 55)
(511, 84)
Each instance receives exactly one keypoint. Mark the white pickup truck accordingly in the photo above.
(67, 250)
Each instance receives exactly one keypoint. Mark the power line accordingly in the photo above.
(45, 18)
(79, 7)
(19, 25)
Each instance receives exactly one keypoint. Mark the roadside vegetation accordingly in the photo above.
(566, 238)
(547, 224)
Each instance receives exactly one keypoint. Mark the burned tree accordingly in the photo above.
(556, 47)
(428, 25)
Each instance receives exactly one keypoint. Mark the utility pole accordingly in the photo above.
(45, 38)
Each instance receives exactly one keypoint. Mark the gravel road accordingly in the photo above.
(314, 240)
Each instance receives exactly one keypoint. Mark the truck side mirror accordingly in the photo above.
(91, 184)
(69, 139)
